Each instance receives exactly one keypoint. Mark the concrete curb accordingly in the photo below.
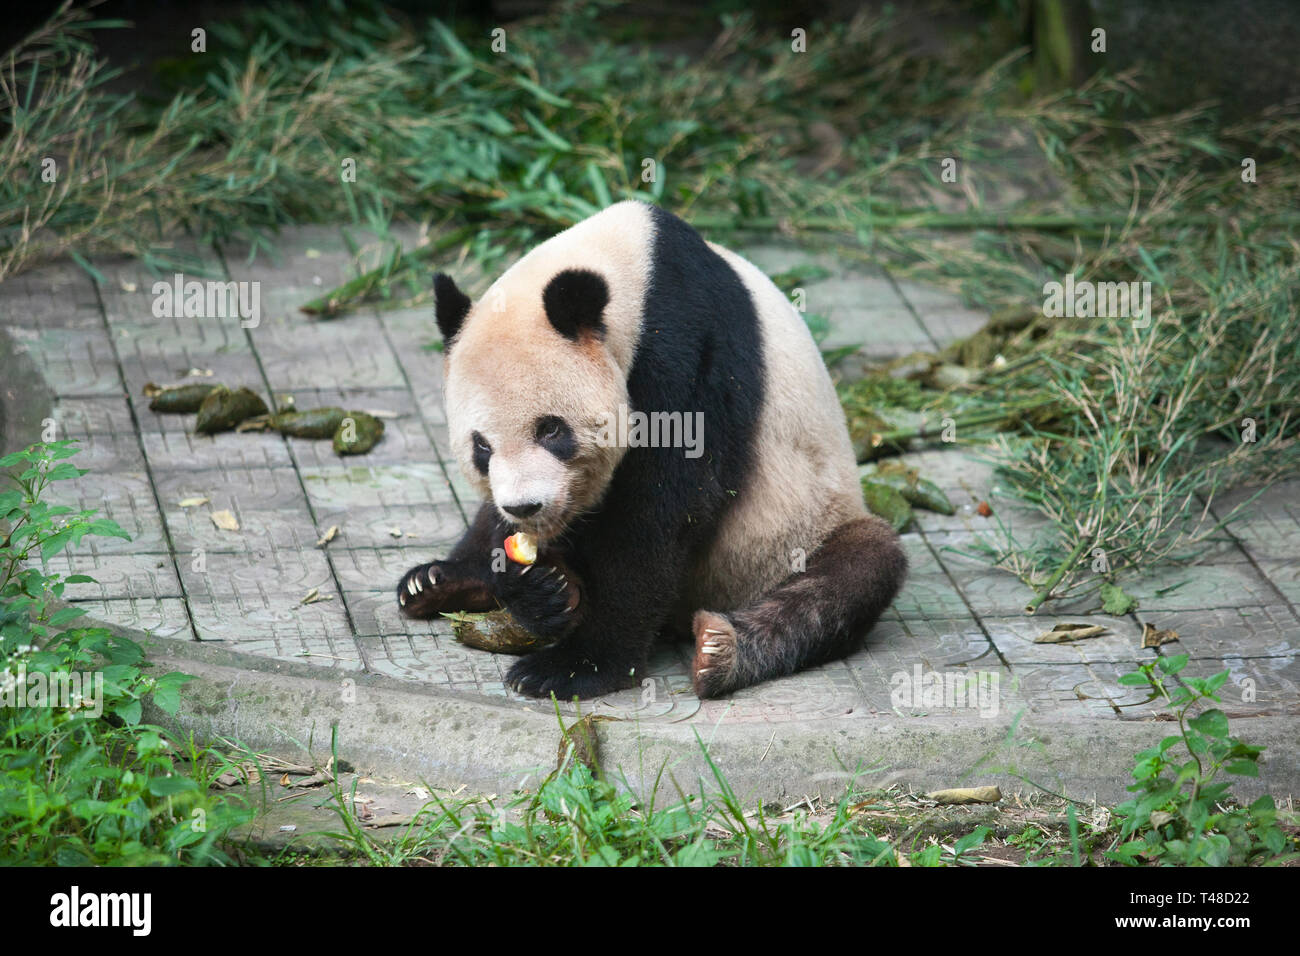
(421, 735)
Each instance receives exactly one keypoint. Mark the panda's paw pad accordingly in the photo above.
(714, 665)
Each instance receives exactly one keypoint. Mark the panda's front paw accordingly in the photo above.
(544, 600)
(442, 586)
(566, 674)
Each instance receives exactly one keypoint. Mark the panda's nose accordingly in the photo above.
(523, 511)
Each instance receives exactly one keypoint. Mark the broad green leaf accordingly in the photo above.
(1212, 723)
(65, 614)
(1172, 665)
(170, 786)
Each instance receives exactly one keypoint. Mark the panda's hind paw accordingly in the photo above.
(566, 674)
(713, 668)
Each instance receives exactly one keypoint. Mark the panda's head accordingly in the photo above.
(529, 386)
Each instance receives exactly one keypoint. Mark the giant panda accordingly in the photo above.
(755, 544)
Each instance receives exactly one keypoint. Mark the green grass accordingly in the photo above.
(104, 786)
(84, 779)
(585, 815)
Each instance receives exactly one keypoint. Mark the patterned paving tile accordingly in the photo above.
(138, 577)
(1262, 686)
(1085, 689)
(159, 617)
(275, 579)
(1247, 631)
(436, 659)
(956, 626)
(433, 530)
(80, 359)
(125, 497)
(1015, 639)
(284, 630)
(268, 503)
(173, 449)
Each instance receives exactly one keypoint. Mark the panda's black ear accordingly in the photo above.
(451, 306)
(575, 301)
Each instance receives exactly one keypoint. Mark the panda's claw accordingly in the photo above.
(566, 673)
(540, 603)
(714, 667)
(427, 590)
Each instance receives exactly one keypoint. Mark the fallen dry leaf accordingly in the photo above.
(225, 520)
(242, 774)
(314, 595)
(1153, 638)
(330, 534)
(315, 780)
(193, 502)
(1064, 633)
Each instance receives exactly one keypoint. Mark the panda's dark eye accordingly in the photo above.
(555, 435)
(482, 453)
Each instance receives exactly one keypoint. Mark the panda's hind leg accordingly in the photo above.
(816, 615)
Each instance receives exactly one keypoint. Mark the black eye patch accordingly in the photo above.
(554, 434)
(482, 452)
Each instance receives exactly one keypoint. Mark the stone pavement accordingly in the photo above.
(181, 579)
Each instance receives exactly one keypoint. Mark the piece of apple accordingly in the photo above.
(521, 548)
